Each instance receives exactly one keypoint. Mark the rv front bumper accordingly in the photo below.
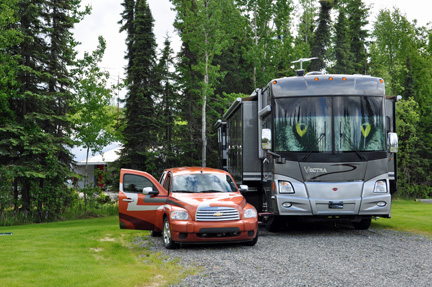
(334, 199)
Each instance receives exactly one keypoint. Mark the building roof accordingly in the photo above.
(103, 158)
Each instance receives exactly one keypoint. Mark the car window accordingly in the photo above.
(203, 182)
(136, 183)
(167, 182)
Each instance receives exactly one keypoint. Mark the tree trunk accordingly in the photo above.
(204, 121)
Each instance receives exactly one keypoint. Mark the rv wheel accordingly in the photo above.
(362, 224)
(273, 223)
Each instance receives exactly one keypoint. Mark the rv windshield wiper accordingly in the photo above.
(310, 151)
(361, 156)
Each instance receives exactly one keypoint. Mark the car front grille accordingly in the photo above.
(217, 214)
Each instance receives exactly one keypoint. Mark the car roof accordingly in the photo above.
(195, 169)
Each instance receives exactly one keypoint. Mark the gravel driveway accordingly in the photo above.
(311, 255)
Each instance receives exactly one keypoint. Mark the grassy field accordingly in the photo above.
(90, 252)
(409, 216)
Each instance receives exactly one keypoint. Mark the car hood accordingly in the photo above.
(191, 201)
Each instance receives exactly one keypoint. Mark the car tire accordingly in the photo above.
(362, 224)
(166, 235)
(254, 241)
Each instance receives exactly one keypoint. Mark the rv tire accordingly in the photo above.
(362, 224)
(273, 223)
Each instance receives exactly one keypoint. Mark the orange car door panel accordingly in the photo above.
(137, 210)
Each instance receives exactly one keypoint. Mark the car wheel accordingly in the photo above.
(254, 241)
(166, 235)
(362, 224)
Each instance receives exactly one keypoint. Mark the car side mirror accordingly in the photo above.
(266, 143)
(149, 190)
(393, 142)
(244, 188)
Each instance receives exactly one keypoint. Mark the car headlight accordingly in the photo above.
(250, 213)
(179, 215)
(285, 187)
(380, 187)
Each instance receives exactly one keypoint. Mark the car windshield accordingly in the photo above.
(203, 183)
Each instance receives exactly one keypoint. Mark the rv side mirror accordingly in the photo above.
(244, 188)
(149, 190)
(393, 142)
(266, 139)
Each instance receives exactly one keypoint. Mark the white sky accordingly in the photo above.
(106, 14)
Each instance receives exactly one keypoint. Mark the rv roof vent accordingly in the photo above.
(313, 73)
(300, 72)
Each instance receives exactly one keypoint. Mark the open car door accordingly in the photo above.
(140, 195)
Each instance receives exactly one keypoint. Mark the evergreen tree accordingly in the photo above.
(357, 14)
(321, 37)
(140, 133)
(342, 53)
(35, 145)
(168, 110)
(9, 37)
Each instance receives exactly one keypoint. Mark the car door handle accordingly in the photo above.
(128, 200)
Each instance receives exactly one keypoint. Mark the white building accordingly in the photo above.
(96, 163)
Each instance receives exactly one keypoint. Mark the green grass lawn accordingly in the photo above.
(90, 252)
(410, 216)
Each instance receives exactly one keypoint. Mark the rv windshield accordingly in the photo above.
(329, 124)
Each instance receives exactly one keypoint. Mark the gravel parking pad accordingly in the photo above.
(318, 255)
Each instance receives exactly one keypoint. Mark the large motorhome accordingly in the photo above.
(315, 146)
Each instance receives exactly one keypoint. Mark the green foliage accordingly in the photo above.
(90, 101)
(394, 40)
(342, 51)
(270, 46)
(357, 14)
(321, 37)
(141, 124)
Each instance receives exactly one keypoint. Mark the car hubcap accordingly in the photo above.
(167, 233)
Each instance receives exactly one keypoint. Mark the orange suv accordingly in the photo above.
(187, 205)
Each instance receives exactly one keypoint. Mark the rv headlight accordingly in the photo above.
(285, 187)
(380, 187)
(250, 213)
(179, 215)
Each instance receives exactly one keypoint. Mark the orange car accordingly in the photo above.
(188, 205)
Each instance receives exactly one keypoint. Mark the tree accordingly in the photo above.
(357, 14)
(9, 37)
(9, 67)
(140, 133)
(271, 40)
(35, 144)
(168, 109)
(393, 41)
(91, 97)
(342, 52)
(302, 43)
(321, 37)
(204, 40)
